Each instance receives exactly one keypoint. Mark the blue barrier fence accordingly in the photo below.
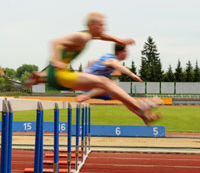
(96, 130)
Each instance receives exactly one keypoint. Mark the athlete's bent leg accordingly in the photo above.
(90, 94)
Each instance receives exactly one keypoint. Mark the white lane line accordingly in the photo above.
(149, 158)
(153, 166)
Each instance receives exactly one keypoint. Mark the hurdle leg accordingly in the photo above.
(82, 135)
(41, 143)
(38, 139)
(89, 127)
(4, 139)
(69, 138)
(56, 139)
(10, 137)
(77, 133)
(86, 130)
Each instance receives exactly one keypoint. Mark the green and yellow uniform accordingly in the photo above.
(63, 79)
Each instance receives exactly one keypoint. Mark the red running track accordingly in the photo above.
(107, 162)
(22, 159)
(113, 162)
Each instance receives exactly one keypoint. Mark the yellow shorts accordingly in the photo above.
(61, 79)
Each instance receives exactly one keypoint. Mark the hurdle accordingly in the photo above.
(8, 106)
(6, 139)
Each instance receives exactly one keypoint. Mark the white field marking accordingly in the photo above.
(153, 166)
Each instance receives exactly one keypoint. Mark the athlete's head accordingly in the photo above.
(120, 51)
(95, 23)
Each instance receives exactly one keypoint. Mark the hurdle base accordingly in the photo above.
(62, 155)
(51, 162)
(31, 170)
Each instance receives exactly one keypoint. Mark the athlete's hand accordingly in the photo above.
(137, 78)
(128, 41)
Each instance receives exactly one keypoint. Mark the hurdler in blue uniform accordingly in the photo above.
(104, 67)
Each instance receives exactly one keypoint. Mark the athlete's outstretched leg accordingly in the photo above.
(88, 81)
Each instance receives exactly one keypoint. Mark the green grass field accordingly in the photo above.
(175, 119)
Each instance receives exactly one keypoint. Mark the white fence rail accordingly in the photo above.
(150, 88)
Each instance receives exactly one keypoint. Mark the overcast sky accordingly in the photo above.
(27, 27)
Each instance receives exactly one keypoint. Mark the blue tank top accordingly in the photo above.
(99, 68)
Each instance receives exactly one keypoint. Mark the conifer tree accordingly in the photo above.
(169, 75)
(144, 72)
(151, 68)
(133, 68)
(179, 76)
(189, 72)
(196, 73)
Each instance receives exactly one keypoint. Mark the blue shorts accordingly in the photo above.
(104, 97)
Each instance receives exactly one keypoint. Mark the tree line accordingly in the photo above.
(151, 68)
(10, 77)
(21, 73)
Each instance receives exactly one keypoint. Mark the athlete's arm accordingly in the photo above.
(116, 39)
(90, 63)
(116, 65)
